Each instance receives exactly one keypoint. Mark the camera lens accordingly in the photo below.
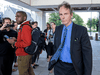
(8, 25)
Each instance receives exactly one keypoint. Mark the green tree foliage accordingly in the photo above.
(77, 19)
(54, 17)
(93, 23)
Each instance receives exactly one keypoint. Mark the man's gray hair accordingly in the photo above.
(66, 5)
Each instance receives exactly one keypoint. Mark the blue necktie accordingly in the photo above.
(57, 54)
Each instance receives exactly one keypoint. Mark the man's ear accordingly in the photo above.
(25, 18)
(71, 15)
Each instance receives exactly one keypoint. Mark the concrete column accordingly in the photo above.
(41, 19)
(99, 25)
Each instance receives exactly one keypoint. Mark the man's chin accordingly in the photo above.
(19, 22)
(64, 23)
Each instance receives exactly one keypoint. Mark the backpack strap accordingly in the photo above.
(25, 24)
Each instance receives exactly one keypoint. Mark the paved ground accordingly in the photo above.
(96, 57)
(43, 64)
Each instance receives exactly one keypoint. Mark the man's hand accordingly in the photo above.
(3, 27)
(11, 41)
(14, 38)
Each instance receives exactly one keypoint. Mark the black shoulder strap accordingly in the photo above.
(25, 24)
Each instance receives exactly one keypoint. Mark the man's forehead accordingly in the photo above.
(64, 10)
(7, 20)
(19, 14)
(35, 23)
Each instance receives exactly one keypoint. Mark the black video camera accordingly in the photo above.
(8, 25)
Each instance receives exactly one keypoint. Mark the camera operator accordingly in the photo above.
(6, 50)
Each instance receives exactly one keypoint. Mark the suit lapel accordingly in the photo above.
(59, 34)
(72, 36)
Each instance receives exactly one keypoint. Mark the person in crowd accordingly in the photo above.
(15, 57)
(46, 40)
(23, 40)
(76, 53)
(34, 25)
(6, 49)
(36, 55)
(51, 41)
(50, 37)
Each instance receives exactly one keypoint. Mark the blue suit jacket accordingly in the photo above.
(80, 48)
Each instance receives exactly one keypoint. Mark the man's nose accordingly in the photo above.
(63, 17)
(15, 18)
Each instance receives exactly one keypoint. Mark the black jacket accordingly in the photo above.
(80, 48)
(6, 48)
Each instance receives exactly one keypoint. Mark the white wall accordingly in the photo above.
(96, 1)
(57, 2)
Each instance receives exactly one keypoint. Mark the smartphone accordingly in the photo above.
(7, 37)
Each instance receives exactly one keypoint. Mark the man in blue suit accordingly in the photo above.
(76, 54)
